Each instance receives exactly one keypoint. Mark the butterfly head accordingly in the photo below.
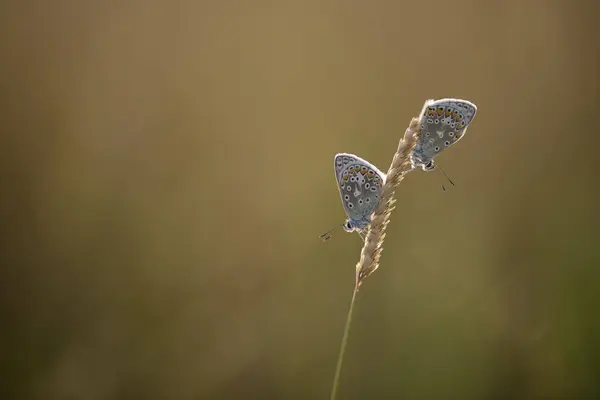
(348, 226)
(355, 225)
(430, 166)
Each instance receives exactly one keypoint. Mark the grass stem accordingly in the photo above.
(340, 361)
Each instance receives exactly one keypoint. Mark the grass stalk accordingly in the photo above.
(373, 245)
(340, 361)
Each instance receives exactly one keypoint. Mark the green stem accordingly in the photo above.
(336, 379)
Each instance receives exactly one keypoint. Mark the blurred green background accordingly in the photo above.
(167, 168)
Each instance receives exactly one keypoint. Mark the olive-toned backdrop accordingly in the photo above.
(167, 168)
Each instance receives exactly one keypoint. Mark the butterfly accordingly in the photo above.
(360, 184)
(443, 122)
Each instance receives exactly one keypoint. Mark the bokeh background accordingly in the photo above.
(167, 168)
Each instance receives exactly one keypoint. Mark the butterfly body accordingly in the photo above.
(443, 123)
(360, 184)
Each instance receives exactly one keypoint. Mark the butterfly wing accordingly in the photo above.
(443, 123)
(360, 184)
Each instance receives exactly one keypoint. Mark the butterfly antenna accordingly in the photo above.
(326, 236)
(447, 177)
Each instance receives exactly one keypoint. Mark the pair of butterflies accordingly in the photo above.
(443, 122)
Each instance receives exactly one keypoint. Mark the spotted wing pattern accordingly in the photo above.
(360, 184)
(443, 123)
